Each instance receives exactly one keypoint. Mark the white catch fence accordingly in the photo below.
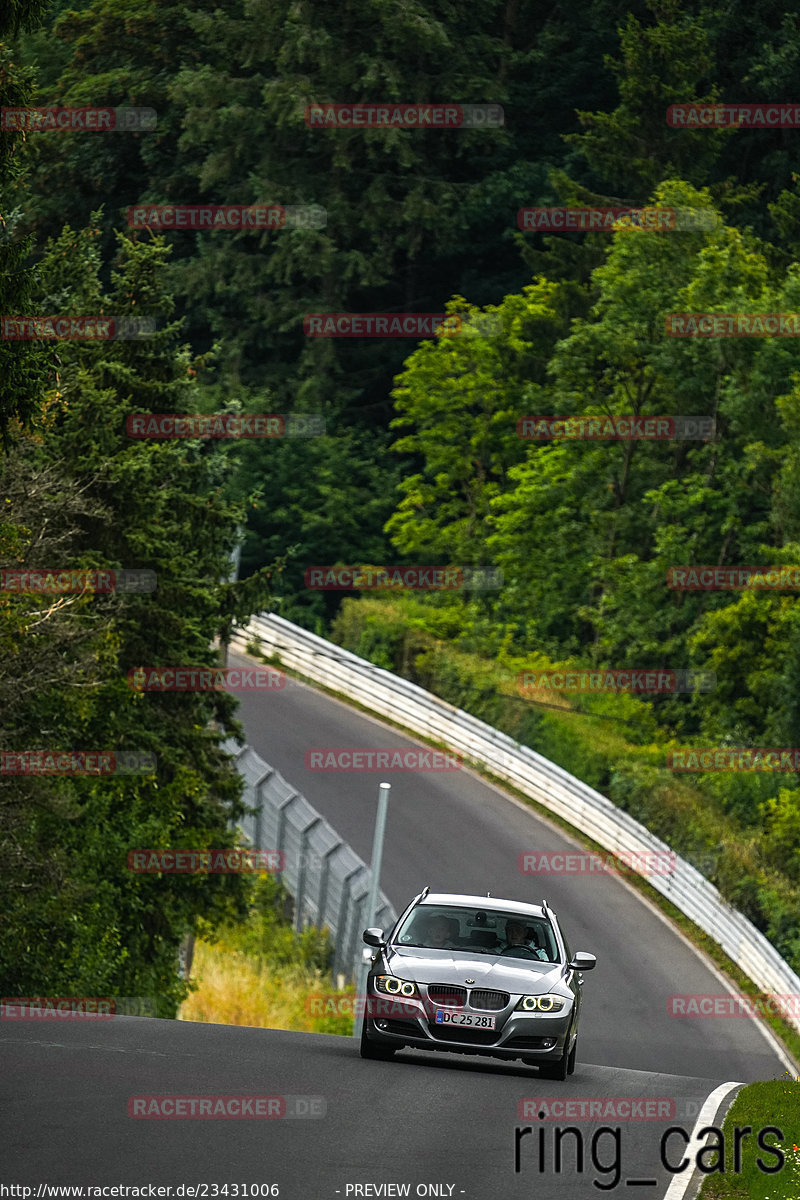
(327, 880)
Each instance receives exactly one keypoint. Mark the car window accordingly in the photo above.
(485, 931)
(430, 926)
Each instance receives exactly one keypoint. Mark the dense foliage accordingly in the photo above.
(421, 461)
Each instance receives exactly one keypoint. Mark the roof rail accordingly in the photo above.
(412, 905)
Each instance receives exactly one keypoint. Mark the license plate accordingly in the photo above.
(471, 1020)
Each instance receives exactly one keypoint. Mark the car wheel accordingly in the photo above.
(555, 1070)
(571, 1059)
(371, 1050)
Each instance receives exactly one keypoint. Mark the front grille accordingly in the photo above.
(478, 1037)
(448, 995)
(487, 1000)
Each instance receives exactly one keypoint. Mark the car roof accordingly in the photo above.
(488, 903)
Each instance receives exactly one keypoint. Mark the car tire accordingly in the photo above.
(555, 1070)
(371, 1050)
(571, 1059)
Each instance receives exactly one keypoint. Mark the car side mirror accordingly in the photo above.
(374, 937)
(581, 961)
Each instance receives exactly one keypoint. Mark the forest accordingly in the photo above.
(432, 447)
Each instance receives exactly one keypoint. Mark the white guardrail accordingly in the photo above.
(549, 785)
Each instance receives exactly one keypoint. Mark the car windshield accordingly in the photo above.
(479, 930)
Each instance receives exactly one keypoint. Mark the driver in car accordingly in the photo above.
(515, 937)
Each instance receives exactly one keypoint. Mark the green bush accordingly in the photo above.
(738, 836)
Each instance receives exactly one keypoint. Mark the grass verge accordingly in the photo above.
(263, 973)
(758, 1105)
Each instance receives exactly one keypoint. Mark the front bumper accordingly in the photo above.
(411, 1022)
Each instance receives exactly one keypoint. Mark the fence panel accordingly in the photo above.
(325, 877)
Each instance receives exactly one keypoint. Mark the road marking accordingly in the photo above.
(680, 1183)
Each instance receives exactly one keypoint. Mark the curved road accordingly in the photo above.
(423, 1125)
(456, 832)
(421, 1120)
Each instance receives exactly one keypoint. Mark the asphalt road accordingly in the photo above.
(66, 1090)
(423, 1124)
(456, 832)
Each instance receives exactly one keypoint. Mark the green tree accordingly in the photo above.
(661, 63)
(23, 365)
(458, 401)
(164, 507)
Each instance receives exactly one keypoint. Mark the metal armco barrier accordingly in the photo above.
(328, 882)
(585, 809)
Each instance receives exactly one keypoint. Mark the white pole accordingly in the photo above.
(235, 560)
(372, 898)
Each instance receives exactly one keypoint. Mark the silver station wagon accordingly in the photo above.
(475, 975)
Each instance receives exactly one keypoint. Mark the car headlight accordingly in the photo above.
(549, 1003)
(390, 985)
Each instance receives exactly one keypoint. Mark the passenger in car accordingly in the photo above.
(438, 934)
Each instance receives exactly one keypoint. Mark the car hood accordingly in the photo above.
(439, 966)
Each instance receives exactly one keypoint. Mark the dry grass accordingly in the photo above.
(233, 988)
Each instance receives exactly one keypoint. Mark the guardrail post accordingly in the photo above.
(322, 903)
(341, 923)
(361, 969)
(301, 874)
